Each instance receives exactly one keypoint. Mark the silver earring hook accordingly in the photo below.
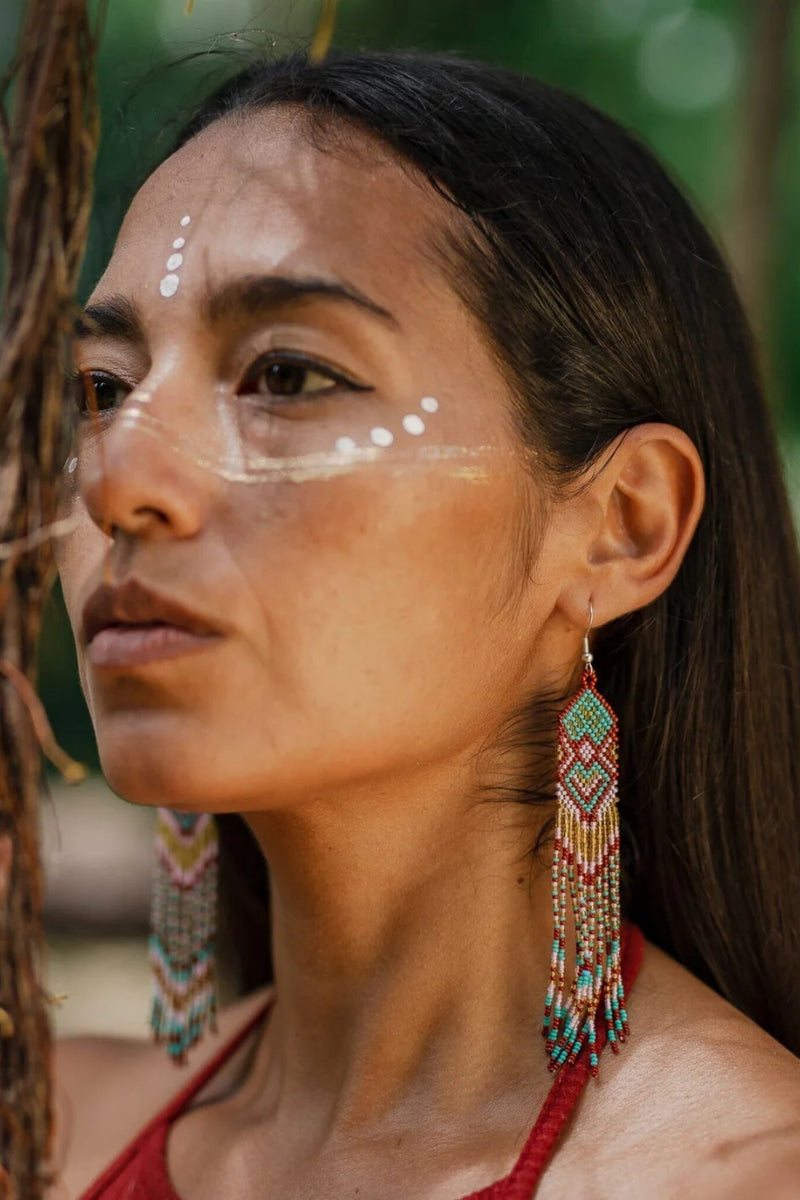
(587, 655)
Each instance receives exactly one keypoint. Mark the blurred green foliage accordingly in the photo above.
(673, 70)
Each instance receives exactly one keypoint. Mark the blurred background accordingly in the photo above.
(711, 85)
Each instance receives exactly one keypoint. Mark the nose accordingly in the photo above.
(132, 478)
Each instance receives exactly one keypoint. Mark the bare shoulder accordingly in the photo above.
(700, 1102)
(105, 1090)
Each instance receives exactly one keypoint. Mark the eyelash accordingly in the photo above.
(80, 381)
(302, 362)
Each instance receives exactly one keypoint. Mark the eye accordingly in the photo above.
(295, 376)
(97, 392)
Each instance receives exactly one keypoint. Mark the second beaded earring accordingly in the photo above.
(586, 869)
(183, 928)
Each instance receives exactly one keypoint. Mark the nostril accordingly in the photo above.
(133, 485)
(150, 513)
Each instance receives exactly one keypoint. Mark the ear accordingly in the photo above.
(642, 509)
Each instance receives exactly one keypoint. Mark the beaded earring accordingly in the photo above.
(183, 926)
(586, 865)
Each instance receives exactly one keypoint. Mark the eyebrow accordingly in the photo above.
(256, 295)
(250, 296)
(114, 317)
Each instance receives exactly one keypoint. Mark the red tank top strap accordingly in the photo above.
(167, 1114)
(522, 1180)
(198, 1081)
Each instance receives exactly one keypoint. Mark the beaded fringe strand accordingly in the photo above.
(586, 865)
(181, 944)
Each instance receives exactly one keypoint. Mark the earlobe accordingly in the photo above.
(649, 496)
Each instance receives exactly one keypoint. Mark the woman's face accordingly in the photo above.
(335, 628)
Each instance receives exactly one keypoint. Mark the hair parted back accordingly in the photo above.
(609, 305)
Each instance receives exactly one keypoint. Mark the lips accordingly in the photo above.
(130, 624)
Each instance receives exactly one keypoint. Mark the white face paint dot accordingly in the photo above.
(185, 220)
(179, 243)
(413, 424)
(169, 285)
(71, 465)
(380, 436)
(345, 444)
(429, 404)
(174, 261)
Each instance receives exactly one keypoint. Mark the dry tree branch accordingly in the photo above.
(321, 42)
(50, 142)
(765, 110)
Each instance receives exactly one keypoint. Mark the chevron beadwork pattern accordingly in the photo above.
(183, 925)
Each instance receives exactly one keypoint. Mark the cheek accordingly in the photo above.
(79, 558)
(382, 600)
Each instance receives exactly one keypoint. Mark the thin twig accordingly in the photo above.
(37, 537)
(323, 36)
(73, 772)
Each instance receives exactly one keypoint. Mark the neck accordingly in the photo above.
(411, 942)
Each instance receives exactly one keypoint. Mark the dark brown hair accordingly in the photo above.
(608, 305)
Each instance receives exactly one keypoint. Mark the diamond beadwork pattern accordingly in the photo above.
(588, 716)
(588, 787)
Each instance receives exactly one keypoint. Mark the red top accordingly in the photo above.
(140, 1171)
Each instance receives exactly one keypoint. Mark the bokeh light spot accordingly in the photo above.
(689, 61)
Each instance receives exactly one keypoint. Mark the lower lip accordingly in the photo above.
(133, 645)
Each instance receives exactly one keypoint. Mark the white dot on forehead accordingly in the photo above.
(413, 424)
(380, 436)
(179, 243)
(185, 220)
(71, 465)
(169, 285)
(345, 444)
(174, 261)
(429, 403)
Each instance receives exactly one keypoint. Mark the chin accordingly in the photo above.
(190, 774)
(158, 754)
(155, 785)
(151, 771)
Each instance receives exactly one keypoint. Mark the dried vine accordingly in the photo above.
(49, 143)
(323, 36)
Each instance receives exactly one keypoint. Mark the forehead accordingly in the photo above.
(268, 191)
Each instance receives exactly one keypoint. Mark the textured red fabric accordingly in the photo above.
(140, 1172)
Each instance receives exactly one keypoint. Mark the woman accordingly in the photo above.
(418, 383)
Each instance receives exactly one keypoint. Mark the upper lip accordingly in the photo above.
(132, 603)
